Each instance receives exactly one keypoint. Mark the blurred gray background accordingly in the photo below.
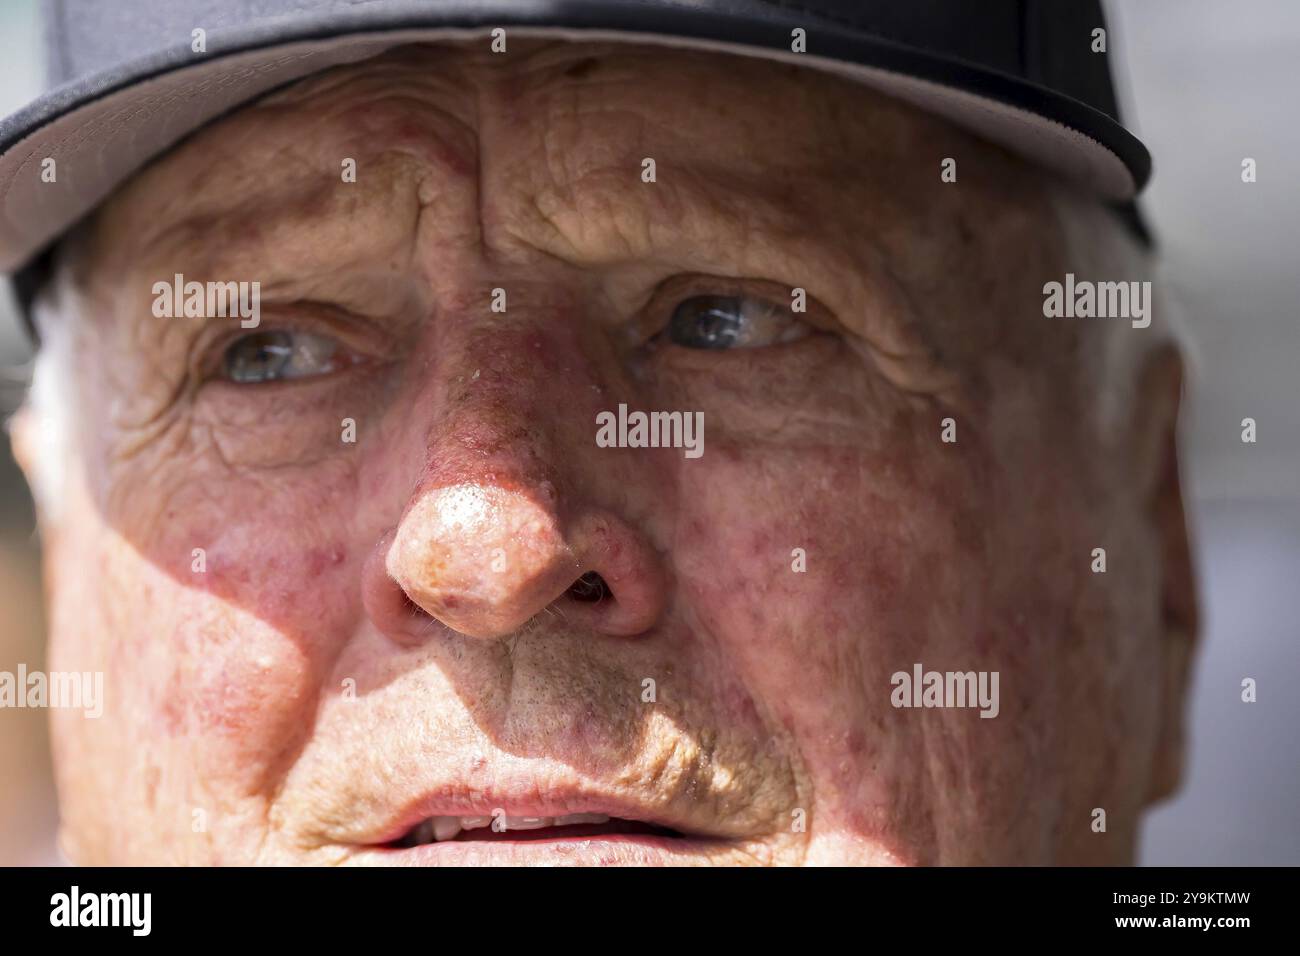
(1204, 83)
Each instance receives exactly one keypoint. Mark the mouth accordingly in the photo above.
(500, 827)
(567, 828)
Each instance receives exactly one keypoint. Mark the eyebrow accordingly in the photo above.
(284, 226)
(270, 204)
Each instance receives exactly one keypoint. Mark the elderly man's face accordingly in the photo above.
(388, 629)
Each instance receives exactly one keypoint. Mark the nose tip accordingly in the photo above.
(484, 560)
(481, 560)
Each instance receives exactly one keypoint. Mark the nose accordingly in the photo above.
(484, 560)
(514, 514)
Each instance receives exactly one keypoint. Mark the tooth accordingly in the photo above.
(475, 823)
(574, 818)
(445, 828)
(422, 834)
(528, 823)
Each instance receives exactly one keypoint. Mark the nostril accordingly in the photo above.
(590, 588)
(410, 607)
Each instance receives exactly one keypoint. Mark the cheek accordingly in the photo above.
(202, 702)
(206, 677)
(823, 571)
(277, 546)
(796, 588)
(822, 558)
(230, 608)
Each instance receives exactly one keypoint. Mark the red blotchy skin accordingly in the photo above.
(385, 627)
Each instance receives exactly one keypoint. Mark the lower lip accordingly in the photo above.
(614, 849)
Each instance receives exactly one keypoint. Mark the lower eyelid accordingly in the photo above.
(703, 359)
(311, 390)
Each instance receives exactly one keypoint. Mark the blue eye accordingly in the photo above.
(726, 322)
(279, 355)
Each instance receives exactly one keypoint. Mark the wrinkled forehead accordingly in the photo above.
(582, 107)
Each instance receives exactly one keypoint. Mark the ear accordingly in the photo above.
(22, 439)
(1161, 396)
(38, 449)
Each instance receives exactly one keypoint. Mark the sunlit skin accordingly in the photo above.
(291, 703)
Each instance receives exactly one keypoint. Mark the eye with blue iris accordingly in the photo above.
(733, 322)
(278, 355)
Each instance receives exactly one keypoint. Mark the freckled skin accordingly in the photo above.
(293, 694)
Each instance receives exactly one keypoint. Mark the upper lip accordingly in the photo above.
(458, 802)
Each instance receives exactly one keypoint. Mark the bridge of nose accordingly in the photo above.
(512, 505)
